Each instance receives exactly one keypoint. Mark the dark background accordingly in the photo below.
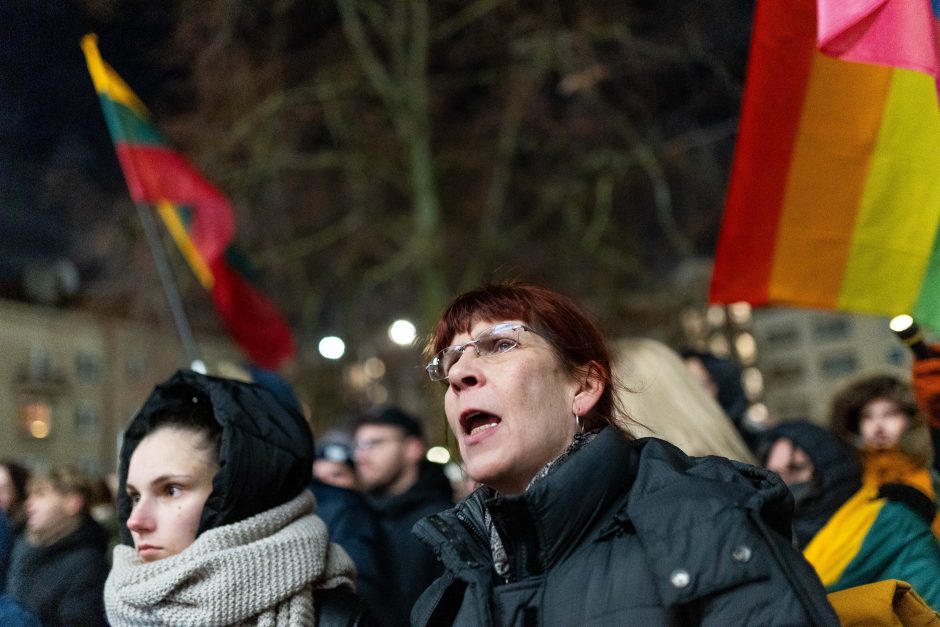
(581, 144)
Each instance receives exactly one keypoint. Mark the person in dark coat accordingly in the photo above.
(722, 378)
(13, 480)
(576, 522)
(853, 534)
(353, 525)
(59, 565)
(831, 472)
(6, 547)
(402, 487)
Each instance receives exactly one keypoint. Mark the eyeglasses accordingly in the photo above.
(367, 445)
(500, 339)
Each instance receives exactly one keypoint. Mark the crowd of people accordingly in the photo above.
(610, 484)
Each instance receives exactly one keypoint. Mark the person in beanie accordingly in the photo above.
(216, 522)
(402, 487)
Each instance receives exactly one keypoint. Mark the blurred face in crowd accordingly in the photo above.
(386, 459)
(701, 374)
(882, 423)
(7, 490)
(50, 514)
(513, 411)
(790, 462)
(169, 479)
(335, 473)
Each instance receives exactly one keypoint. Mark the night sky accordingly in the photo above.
(51, 124)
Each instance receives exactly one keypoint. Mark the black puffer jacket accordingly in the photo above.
(408, 565)
(63, 583)
(626, 533)
(265, 457)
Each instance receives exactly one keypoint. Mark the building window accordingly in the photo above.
(86, 419)
(87, 367)
(837, 365)
(786, 373)
(898, 356)
(782, 336)
(832, 328)
(793, 406)
(36, 418)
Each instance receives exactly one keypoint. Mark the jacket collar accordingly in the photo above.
(558, 511)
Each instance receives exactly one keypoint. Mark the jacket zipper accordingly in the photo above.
(472, 528)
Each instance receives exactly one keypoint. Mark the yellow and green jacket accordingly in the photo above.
(872, 538)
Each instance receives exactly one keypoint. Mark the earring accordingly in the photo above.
(577, 419)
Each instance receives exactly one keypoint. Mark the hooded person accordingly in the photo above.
(835, 474)
(217, 526)
(853, 533)
(721, 377)
(878, 414)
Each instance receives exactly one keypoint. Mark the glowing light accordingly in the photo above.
(438, 455)
(332, 347)
(746, 347)
(36, 416)
(740, 313)
(374, 368)
(901, 323)
(716, 316)
(753, 382)
(402, 332)
(377, 394)
(39, 429)
(199, 366)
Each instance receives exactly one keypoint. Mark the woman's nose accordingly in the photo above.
(140, 519)
(465, 372)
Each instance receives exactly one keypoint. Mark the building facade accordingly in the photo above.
(805, 355)
(72, 380)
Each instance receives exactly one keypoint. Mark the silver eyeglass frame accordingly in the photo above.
(435, 367)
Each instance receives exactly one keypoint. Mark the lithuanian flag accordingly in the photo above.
(198, 216)
(834, 198)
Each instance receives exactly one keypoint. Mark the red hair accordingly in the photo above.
(573, 333)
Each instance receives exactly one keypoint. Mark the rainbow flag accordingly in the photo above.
(834, 198)
(896, 33)
(197, 215)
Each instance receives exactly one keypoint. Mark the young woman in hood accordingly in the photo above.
(217, 525)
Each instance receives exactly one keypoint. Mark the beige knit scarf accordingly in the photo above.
(260, 571)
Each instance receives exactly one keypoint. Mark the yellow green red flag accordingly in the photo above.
(197, 215)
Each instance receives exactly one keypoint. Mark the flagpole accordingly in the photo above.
(169, 284)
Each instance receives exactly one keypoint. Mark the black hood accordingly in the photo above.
(266, 449)
(837, 473)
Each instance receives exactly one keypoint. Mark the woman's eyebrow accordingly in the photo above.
(163, 479)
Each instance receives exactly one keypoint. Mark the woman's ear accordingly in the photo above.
(74, 504)
(590, 389)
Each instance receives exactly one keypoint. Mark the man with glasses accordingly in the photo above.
(402, 487)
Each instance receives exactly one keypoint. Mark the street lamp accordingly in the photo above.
(332, 347)
(402, 332)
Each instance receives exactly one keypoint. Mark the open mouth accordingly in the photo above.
(477, 421)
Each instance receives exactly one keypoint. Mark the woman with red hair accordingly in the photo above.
(576, 521)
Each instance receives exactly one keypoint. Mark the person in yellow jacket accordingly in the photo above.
(852, 534)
